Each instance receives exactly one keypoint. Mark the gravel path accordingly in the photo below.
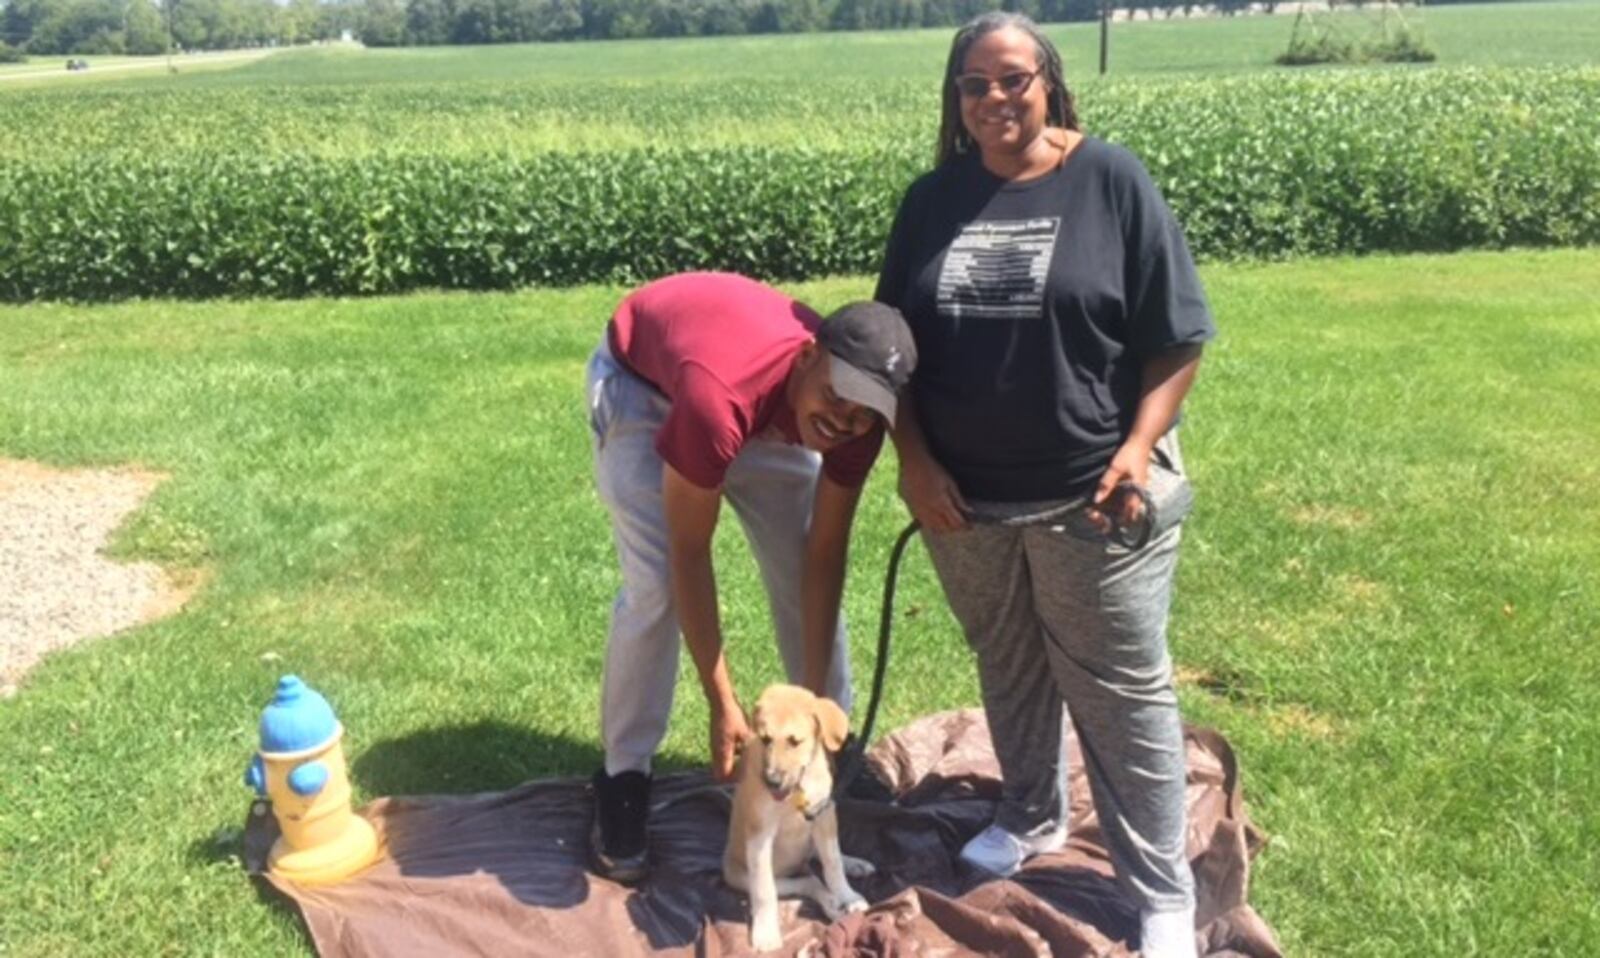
(55, 587)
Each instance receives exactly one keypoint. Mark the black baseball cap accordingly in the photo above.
(872, 354)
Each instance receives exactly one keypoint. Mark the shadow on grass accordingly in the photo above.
(481, 757)
(246, 848)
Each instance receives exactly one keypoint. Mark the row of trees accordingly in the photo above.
(428, 22)
(139, 26)
(421, 22)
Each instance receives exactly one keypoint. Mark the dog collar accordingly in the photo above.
(804, 807)
(808, 811)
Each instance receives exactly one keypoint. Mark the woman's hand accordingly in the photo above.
(932, 496)
(1130, 464)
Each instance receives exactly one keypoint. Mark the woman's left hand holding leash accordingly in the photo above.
(1130, 465)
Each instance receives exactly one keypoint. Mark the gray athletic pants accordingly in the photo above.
(771, 485)
(1059, 616)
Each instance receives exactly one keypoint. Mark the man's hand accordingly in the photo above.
(932, 496)
(1130, 464)
(728, 735)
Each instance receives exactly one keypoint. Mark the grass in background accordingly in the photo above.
(1549, 32)
(49, 70)
(1386, 601)
(828, 91)
(53, 63)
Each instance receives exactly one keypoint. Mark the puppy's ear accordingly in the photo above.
(833, 724)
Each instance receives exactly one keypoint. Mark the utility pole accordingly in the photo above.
(166, 7)
(1105, 33)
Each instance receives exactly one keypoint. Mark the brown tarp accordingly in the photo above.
(504, 873)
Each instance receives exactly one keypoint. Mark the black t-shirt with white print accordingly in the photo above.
(1034, 305)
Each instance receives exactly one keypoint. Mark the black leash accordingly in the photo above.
(853, 757)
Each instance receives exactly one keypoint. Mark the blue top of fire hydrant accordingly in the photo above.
(297, 719)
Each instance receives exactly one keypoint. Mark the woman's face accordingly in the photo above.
(1012, 112)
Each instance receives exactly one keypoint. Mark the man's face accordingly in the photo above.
(824, 418)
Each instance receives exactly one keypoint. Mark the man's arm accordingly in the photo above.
(822, 579)
(691, 521)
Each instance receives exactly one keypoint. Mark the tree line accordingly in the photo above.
(142, 26)
(424, 22)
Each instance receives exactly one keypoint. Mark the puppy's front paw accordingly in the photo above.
(765, 935)
(837, 906)
(858, 867)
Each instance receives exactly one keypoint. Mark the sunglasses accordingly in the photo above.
(974, 85)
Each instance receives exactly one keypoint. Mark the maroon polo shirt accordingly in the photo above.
(720, 347)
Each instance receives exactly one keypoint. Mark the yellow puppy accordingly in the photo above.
(783, 810)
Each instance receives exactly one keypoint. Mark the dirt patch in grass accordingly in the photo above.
(56, 587)
(1220, 683)
(1290, 720)
(1362, 592)
(1295, 721)
(1339, 517)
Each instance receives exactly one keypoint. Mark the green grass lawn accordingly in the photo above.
(1387, 597)
(50, 70)
(834, 91)
(54, 63)
(1539, 33)
(1550, 32)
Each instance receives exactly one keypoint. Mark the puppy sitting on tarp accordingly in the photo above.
(783, 810)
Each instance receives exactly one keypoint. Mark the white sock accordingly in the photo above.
(1167, 934)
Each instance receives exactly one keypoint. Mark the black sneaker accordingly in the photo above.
(617, 842)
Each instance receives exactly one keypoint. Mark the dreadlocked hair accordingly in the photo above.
(954, 139)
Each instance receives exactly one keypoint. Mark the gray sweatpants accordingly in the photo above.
(771, 485)
(1064, 622)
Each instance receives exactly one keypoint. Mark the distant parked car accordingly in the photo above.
(76, 64)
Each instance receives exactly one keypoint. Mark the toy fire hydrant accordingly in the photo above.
(301, 770)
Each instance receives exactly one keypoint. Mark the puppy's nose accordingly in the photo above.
(773, 780)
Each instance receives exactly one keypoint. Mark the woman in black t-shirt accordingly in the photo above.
(1058, 320)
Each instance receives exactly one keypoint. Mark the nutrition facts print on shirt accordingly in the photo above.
(997, 269)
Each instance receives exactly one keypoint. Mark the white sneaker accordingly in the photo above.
(1167, 934)
(997, 850)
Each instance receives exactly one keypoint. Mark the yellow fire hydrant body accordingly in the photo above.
(301, 770)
